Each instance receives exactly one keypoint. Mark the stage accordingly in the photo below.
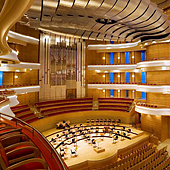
(88, 156)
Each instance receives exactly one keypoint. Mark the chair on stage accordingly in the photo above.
(97, 121)
(129, 131)
(92, 121)
(109, 121)
(93, 142)
(73, 152)
(118, 121)
(87, 122)
(113, 121)
(115, 138)
(62, 154)
(101, 121)
(123, 136)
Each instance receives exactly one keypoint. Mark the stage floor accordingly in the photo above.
(86, 152)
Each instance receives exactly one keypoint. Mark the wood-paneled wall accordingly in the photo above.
(151, 124)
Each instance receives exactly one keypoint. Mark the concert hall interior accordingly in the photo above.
(84, 84)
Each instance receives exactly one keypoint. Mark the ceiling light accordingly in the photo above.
(118, 57)
(16, 77)
(103, 58)
(103, 90)
(103, 75)
(118, 91)
(17, 70)
(133, 56)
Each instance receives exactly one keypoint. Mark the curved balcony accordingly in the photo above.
(11, 12)
(113, 67)
(20, 89)
(51, 156)
(154, 65)
(148, 109)
(121, 86)
(154, 88)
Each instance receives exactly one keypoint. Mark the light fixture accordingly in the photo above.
(106, 71)
(116, 71)
(103, 91)
(98, 71)
(118, 57)
(133, 91)
(16, 77)
(104, 58)
(17, 70)
(133, 75)
(163, 68)
(30, 69)
(118, 91)
(103, 76)
(118, 76)
(133, 56)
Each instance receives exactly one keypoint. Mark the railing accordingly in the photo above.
(58, 163)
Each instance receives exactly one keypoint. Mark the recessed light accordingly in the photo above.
(70, 15)
(81, 15)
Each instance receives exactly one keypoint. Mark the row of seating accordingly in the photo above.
(62, 101)
(112, 83)
(2, 100)
(133, 150)
(51, 108)
(102, 122)
(158, 58)
(24, 113)
(114, 104)
(17, 152)
(146, 158)
(146, 105)
(113, 64)
(7, 92)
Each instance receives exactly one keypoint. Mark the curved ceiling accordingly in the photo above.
(124, 20)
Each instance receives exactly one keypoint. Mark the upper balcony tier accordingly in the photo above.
(155, 88)
(150, 65)
(21, 89)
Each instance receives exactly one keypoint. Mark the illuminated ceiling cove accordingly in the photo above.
(124, 20)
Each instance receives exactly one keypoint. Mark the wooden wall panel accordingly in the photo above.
(29, 98)
(158, 98)
(137, 55)
(158, 77)
(165, 128)
(158, 50)
(151, 124)
(8, 78)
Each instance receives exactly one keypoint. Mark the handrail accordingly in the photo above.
(35, 130)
